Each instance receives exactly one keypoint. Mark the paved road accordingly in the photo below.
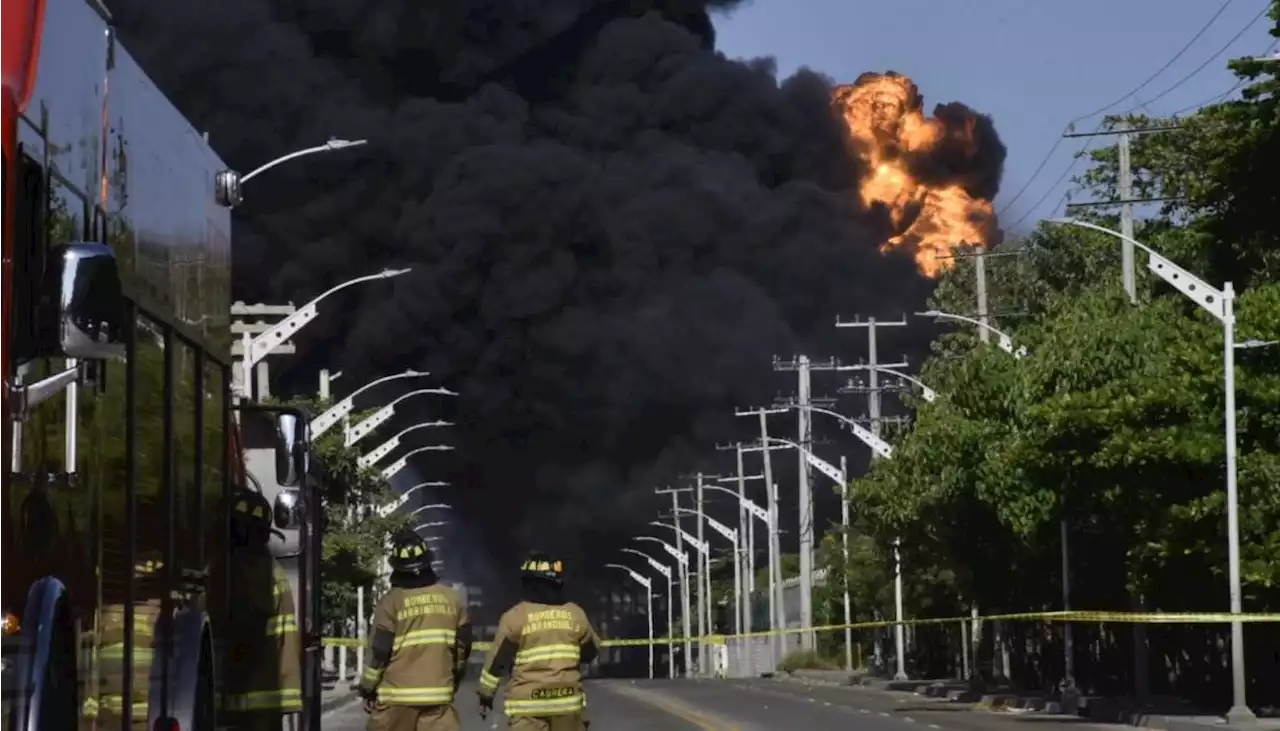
(612, 706)
(767, 705)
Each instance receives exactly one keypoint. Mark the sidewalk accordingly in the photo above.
(1162, 715)
(335, 693)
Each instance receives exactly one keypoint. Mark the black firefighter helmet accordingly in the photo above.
(538, 565)
(250, 516)
(410, 554)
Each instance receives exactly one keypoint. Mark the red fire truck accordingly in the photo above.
(121, 438)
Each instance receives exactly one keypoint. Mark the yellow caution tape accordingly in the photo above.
(1061, 616)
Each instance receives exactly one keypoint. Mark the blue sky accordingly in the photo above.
(1033, 65)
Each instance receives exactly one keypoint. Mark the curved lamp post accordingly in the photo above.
(437, 506)
(325, 421)
(1005, 342)
(394, 505)
(671, 586)
(732, 535)
(1221, 304)
(435, 524)
(682, 563)
(929, 394)
(648, 613)
(749, 509)
(387, 447)
(227, 182)
(255, 349)
(400, 464)
(379, 417)
(704, 556)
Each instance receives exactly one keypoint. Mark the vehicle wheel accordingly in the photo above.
(60, 702)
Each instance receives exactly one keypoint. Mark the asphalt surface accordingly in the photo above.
(611, 706)
(753, 705)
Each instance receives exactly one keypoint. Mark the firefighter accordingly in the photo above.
(541, 641)
(418, 646)
(264, 657)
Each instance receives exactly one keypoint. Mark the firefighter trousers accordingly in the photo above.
(562, 722)
(265, 720)
(414, 718)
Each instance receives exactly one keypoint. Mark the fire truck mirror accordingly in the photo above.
(291, 449)
(88, 321)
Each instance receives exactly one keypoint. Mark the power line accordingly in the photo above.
(1067, 128)
(1075, 160)
(1219, 97)
(1212, 58)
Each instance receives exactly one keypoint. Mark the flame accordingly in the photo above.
(888, 130)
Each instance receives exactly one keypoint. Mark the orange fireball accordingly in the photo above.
(890, 135)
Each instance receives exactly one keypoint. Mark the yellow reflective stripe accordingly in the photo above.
(115, 703)
(282, 624)
(420, 637)
(548, 652)
(115, 651)
(372, 675)
(416, 696)
(488, 680)
(551, 706)
(261, 700)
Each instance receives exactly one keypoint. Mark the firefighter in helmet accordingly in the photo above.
(418, 646)
(541, 642)
(264, 658)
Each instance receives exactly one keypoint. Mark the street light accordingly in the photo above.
(682, 562)
(387, 447)
(435, 524)
(437, 506)
(748, 509)
(929, 394)
(394, 505)
(1220, 304)
(732, 535)
(334, 414)
(671, 588)
(704, 560)
(255, 349)
(227, 183)
(401, 463)
(1005, 342)
(648, 613)
(379, 417)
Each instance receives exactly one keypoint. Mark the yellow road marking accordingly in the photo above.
(675, 708)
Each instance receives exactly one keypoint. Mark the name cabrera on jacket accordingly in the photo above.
(550, 619)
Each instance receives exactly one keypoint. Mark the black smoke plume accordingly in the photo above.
(612, 227)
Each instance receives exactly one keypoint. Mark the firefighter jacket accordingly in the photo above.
(542, 646)
(260, 630)
(418, 645)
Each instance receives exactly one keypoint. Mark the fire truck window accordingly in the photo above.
(28, 252)
(186, 500)
(215, 452)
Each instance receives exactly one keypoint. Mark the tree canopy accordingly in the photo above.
(1114, 421)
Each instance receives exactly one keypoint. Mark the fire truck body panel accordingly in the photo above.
(113, 504)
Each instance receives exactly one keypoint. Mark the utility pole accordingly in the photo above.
(1124, 189)
(874, 410)
(804, 369)
(684, 614)
(777, 611)
(746, 532)
(704, 585)
(980, 268)
(240, 325)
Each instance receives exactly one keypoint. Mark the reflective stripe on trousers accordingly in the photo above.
(423, 696)
(549, 707)
(285, 699)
